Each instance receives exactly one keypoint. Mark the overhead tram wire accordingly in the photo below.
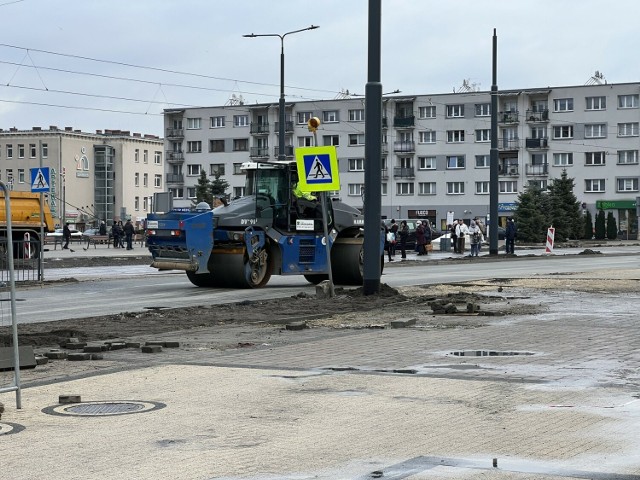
(70, 107)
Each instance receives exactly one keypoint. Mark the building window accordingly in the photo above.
(628, 101)
(193, 170)
(628, 157)
(356, 115)
(356, 139)
(328, 140)
(455, 136)
(216, 169)
(562, 131)
(136, 179)
(596, 103)
(157, 181)
(483, 109)
(177, 192)
(136, 203)
(404, 188)
(627, 184)
(145, 156)
(427, 112)
(32, 150)
(194, 146)
(355, 189)
(217, 122)
(595, 130)
(304, 117)
(9, 150)
(145, 203)
(45, 150)
(508, 186)
(240, 144)
(427, 137)
(216, 146)
(594, 185)
(20, 150)
(356, 164)
(562, 159)
(194, 123)
(427, 188)
(383, 190)
(241, 120)
(157, 158)
(145, 179)
(237, 169)
(563, 105)
(455, 162)
(21, 175)
(191, 192)
(483, 135)
(483, 161)
(626, 129)
(594, 158)
(455, 188)
(305, 141)
(455, 111)
(541, 184)
(238, 192)
(330, 116)
(136, 155)
(482, 188)
(426, 163)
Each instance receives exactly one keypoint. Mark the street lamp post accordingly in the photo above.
(281, 129)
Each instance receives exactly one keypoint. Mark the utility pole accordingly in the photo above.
(493, 157)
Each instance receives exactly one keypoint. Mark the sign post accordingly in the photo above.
(318, 172)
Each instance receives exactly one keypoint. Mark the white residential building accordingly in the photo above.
(436, 147)
(108, 175)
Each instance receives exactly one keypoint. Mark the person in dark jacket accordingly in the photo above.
(393, 228)
(510, 233)
(103, 228)
(403, 232)
(116, 234)
(421, 239)
(66, 236)
(128, 234)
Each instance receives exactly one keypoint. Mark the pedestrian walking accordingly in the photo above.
(510, 237)
(389, 239)
(404, 235)
(393, 228)
(66, 236)
(128, 234)
(475, 238)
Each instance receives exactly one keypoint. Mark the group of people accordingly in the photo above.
(459, 231)
(398, 234)
(122, 233)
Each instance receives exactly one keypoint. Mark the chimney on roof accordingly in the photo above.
(37, 129)
(99, 132)
(136, 135)
(77, 131)
(53, 127)
(68, 129)
(13, 129)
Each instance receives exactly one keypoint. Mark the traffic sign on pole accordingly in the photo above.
(317, 169)
(40, 179)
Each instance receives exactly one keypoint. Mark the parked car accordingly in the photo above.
(89, 232)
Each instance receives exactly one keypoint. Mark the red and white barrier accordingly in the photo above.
(27, 245)
(551, 232)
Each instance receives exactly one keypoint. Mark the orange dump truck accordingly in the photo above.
(25, 216)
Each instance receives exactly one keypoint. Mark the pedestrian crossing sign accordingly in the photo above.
(40, 179)
(317, 169)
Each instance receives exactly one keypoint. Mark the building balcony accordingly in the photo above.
(505, 144)
(385, 122)
(175, 133)
(288, 126)
(259, 128)
(384, 174)
(404, 172)
(175, 179)
(174, 157)
(385, 149)
(535, 143)
(508, 117)
(537, 116)
(259, 152)
(288, 151)
(404, 122)
(404, 147)
(508, 170)
(537, 169)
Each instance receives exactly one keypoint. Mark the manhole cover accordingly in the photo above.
(487, 353)
(8, 428)
(102, 409)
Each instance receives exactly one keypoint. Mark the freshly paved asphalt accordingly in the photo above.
(357, 404)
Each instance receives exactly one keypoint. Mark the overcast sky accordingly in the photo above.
(428, 46)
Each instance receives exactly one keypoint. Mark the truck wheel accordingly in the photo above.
(257, 270)
(201, 280)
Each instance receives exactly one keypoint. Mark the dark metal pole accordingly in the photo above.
(373, 155)
(281, 128)
(493, 158)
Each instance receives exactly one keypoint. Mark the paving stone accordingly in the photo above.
(41, 360)
(171, 344)
(156, 342)
(56, 355)
(323, 289)
(403, 323)
(151, 349)
(69, 399)
(118, 346)
(94, 348)
(75, 346)
(296, 326)
(97, 356)
(78, 356)
(133, 344)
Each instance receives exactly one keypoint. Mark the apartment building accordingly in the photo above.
(436, 148)
(110, 174)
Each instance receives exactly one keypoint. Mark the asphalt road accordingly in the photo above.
(136, 288)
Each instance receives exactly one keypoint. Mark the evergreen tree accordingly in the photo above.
(530, 215)
(600, 226)
(203, 190)
(612, 227)
(218, 186)
(588, 226)
(564, 209)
